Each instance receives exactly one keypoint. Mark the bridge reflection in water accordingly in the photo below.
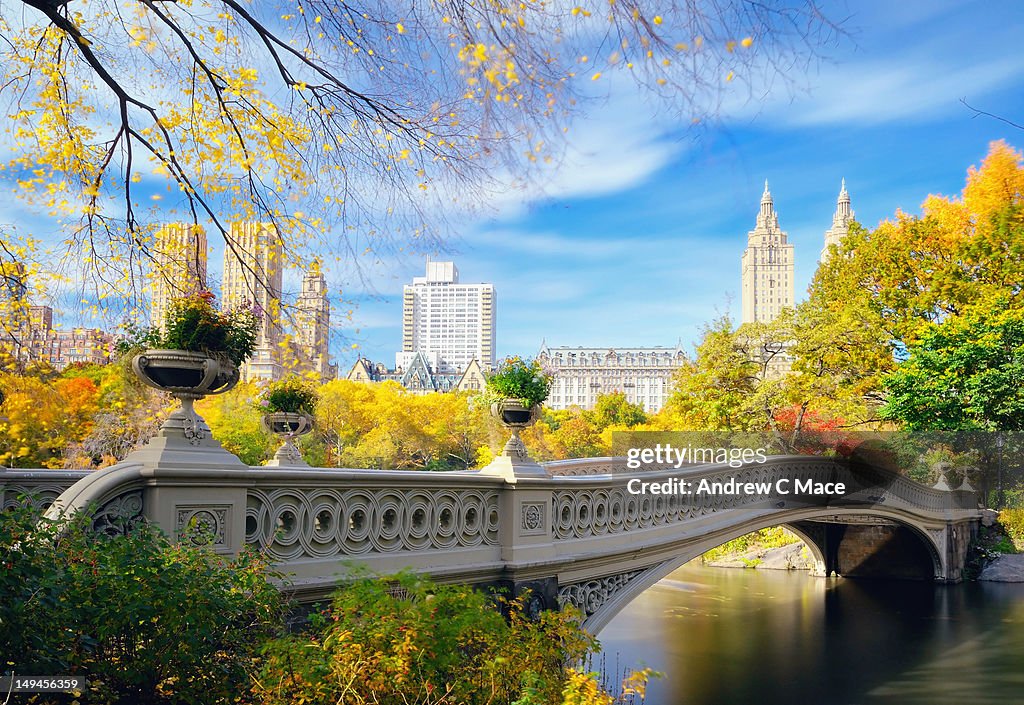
(567, 532)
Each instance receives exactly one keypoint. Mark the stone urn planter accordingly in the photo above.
(187, 376)
(288, 425)
(515, 416)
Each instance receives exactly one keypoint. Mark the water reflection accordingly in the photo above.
(766, 637)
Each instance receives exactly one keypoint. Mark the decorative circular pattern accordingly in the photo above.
(319, 522)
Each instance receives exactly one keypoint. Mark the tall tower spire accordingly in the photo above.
(767, 266)
(767, 218)
(841, 220)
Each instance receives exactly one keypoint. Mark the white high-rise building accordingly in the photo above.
(768, 267)
(179, 266)
(453, 321)
(840, 222)
(253, 276)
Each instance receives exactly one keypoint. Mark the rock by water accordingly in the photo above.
(1007, 568)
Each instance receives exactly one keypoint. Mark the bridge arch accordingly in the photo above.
(602, 598)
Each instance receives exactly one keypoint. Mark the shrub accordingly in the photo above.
(145, 621)
(194, 324)
(290, 395)
(1012, 521)
(406, 640)
(520, 379)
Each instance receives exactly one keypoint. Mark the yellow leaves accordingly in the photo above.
(400, 28)
(730, 46)
(747, 42)
(596, 76)
(219, 36)
(730, 76)
(657, 19)
(576, 11)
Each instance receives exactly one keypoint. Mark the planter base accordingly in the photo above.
(287, 456)
(514, 462)
(514, 468)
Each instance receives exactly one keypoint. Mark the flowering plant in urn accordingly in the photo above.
(288, 407)
(516, 390)
(195, 352)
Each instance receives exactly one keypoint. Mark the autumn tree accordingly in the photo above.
(350, 126)
(917, 270)
(40, 419)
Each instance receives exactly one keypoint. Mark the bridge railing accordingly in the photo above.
(40, 486)
(589, 505)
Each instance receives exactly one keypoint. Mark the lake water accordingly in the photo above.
(771, 637)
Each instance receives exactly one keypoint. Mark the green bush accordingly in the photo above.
(145, 621)
(428, 643)
(1012, 521)
(193, 323)
(772, 537)
(289, 395)
(520, 379)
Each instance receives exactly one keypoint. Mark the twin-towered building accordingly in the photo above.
(768, 264)
(252, 276)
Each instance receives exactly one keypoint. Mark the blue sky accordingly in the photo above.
(639, 240)
(636, 238)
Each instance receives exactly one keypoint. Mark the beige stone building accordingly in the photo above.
(768, 268)
(455, 322)
(840, 222)
(253, 272)
(179, 266)
(644, 375)
(313, 326)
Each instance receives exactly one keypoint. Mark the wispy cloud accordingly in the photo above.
(876, 92)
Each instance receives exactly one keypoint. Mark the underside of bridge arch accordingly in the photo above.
(870, 547)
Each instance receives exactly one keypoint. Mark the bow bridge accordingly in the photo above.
(568, 531)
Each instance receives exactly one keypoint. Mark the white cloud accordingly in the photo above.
(877, 92)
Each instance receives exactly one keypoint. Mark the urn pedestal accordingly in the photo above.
(287, 426)
(184, 439)
(187, 376)
(515, 461)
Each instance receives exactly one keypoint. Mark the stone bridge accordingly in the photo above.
(568, 531)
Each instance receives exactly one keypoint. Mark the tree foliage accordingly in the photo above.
(407, 640)
(964, 374)
(143, 620)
